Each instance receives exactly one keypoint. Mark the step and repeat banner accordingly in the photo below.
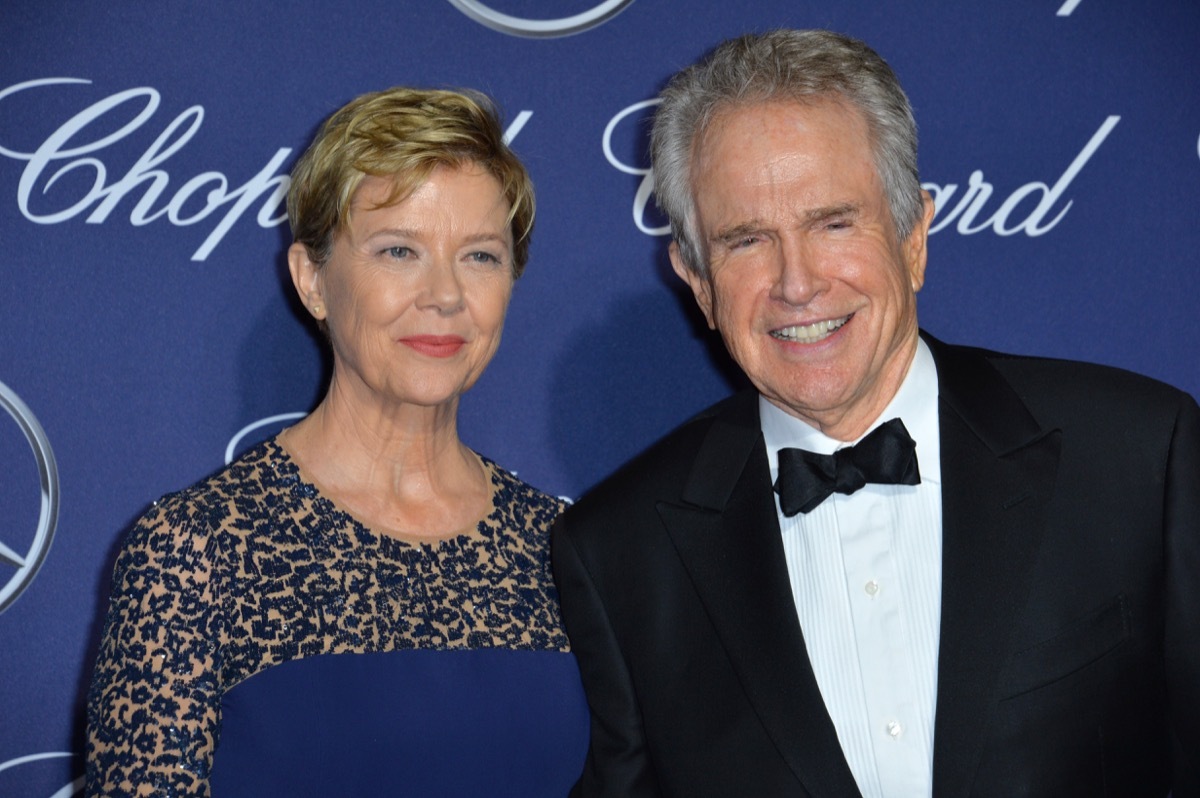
(148, 335)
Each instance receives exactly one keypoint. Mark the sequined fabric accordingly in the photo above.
(254, 567)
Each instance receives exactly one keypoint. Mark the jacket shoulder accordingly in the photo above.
(1073, 394)
(660, 472)
(1083, 383)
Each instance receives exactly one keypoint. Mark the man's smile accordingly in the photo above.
(810, 333)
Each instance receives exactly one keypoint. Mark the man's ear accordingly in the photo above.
(915, 251)
(306, 278)
(701, 286)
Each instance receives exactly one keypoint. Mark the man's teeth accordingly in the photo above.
(810, 333)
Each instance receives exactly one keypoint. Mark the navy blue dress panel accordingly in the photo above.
(469, 723)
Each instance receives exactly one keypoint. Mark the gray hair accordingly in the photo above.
(787, 65)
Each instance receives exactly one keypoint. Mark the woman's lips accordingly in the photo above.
(434, 345)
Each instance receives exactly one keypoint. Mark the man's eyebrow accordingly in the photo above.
(831, 211)
(730, 234)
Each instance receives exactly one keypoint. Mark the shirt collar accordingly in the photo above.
(915, 403)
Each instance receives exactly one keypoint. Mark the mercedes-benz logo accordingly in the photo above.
(27, 564)
(235, 443)
(541, 28)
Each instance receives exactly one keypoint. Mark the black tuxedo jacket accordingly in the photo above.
(1069, 658)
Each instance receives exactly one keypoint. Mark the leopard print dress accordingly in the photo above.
(253, 568)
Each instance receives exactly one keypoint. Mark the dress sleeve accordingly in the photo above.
(154, 702)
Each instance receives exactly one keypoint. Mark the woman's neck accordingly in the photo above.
(399, 468)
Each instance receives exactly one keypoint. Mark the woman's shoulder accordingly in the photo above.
(523, 504)
(186, 522)
(513, 574)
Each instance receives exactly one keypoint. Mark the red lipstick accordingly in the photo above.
(434, 345)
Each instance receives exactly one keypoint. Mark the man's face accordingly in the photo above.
(809, 285)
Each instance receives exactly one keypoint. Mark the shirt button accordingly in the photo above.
(872, 588)
(894, 729)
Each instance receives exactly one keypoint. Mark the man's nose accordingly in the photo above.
(801, 275)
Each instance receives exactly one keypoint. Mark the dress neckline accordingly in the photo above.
(300, 485)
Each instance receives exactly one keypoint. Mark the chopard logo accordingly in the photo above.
(978, 191)
(970, 214)
(541, 28)
(18, 570)
(645, 190)
(76, 147)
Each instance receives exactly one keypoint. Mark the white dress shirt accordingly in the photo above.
(866, 574)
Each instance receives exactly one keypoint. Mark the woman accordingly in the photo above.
(361, 604)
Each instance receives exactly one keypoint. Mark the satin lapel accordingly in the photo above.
(998, 475)
(727, 536)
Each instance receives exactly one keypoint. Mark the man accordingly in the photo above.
(1014, 610)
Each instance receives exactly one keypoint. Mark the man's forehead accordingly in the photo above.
(772, 137)
(816, 155)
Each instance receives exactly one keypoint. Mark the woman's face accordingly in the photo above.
(415, 293)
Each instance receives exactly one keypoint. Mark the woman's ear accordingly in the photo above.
(306, 277)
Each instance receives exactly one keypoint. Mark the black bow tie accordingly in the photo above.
(886, 456)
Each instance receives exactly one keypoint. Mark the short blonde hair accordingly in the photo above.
(403, 134)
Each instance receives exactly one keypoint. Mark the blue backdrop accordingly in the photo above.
(146, 327)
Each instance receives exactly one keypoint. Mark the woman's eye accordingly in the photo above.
(398, 252)
(484, 257)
